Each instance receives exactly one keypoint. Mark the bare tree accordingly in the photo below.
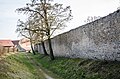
(53, 17)
(38, 30)
(21, 29)
(91, 19)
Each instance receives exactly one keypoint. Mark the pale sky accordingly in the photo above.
(81, 9)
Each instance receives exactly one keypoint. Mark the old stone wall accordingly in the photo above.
(96, 40)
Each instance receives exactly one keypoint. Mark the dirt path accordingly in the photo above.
(37, 65)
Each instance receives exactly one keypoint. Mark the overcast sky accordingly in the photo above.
(81, 9)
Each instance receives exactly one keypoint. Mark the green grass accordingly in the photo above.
(80, 68)
(10, 69)
(18, 67)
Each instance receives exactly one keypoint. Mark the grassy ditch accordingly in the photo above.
(80, 68)
(18, 67)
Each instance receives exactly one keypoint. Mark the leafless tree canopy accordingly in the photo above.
(45, 17)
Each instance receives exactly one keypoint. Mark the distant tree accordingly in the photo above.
(52, 16)
(21, 29)
(118, 8)
(91, 19)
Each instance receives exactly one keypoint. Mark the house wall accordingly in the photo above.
(1, 50)
(96, 40)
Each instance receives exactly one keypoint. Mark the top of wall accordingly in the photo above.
(96, 21)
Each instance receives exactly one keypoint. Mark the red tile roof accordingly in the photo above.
(6, 43)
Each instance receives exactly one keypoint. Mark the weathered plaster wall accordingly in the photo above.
(96, 40)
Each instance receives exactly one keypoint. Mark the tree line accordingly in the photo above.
(44, 18)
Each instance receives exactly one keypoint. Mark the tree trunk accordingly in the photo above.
(44, 50)
(48, 30)
(8, 50)
(33, 50)
(51, 50)
(32, 47)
